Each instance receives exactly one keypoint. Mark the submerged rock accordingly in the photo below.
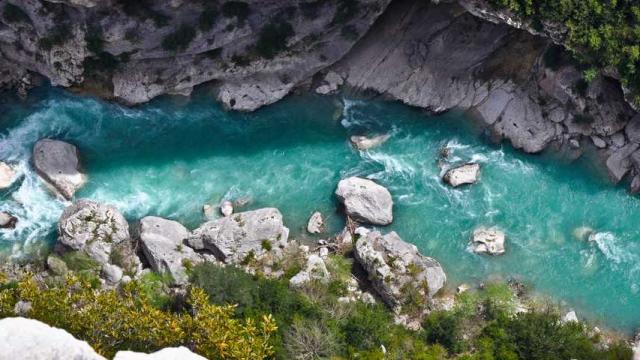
(226, 208)
(58, 164)
(462, 175)
(582, 233)
(365, 201)
(488, 241)
(396, 268)
(7, 221)
(7, 175)
(366, 143)
(31, 339)
(315, 269)
(207, 211)
(162, 243)
(316, 223)
(234, 238)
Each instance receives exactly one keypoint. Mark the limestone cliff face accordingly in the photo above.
(134, 51)
(450, 55)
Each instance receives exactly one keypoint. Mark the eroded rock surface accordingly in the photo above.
(488, 241)
(246, 234)
(397, 269)
(163, 244)
(102, 233)
(462, 175)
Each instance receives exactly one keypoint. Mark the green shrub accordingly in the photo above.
(180, 39)
(79, 261)
(156, 289)
(207, 18)
(14, 14)
(368, 327)
(93, 38)
(445, 328)
(601, 33)
(273, 38)
(236, 9)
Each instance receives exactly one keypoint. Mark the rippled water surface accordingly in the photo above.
(171, 156)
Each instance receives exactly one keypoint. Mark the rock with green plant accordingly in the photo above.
(98, 232)
(163, 243)
(241, 237)
(405, 279)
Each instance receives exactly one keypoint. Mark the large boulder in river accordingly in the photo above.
(488, 241)
(28, 339)
(162, 243)
(365, 201)
(396, 268)
(234, 238)
(462, 175)
(100, 231)
(619, 162)
(58, 164)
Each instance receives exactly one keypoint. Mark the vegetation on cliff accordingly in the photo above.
(227, 313)
(602, 33)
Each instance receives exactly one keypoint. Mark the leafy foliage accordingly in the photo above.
(605, 33)
(112, 320)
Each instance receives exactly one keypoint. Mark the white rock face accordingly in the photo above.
(393, 264)
(226, 208)
(488, 241)
(366, 143)
(58, 164)
(316, 223)
(7, 175)
(465, 174)
(365, 201)
(177, 353)
(235, 237)
(27, 339)
(162, 243)
(315, 269)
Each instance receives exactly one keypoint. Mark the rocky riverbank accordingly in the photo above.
(464, 55)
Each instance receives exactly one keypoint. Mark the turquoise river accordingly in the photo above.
(173, 155)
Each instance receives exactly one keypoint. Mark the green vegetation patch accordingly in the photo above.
(601, 33)
(180, 39)
(273, 38)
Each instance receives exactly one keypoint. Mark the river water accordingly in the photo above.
(173, 155)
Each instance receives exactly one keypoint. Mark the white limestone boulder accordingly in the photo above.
(365, 201)
(58, 164)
